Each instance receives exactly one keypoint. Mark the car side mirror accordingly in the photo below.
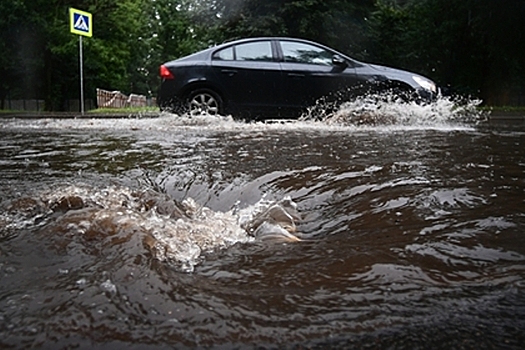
(338, 61)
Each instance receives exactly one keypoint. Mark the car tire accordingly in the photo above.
(169, 106)
(204, 102)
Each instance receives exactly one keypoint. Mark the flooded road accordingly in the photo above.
(143, 233)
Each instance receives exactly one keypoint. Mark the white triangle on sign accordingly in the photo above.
(81, 24)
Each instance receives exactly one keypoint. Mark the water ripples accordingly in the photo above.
(139, 232)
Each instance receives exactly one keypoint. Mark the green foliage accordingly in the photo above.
(123, 111)
(337, 23)
(471, 45)
(474, 46)
(40, 57)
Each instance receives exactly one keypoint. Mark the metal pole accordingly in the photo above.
(81, 79)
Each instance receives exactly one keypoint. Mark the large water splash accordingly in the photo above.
(389, 109)
(178, 233)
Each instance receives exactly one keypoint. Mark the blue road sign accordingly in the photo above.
(81, 22)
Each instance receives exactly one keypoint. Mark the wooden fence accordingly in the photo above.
(116, 99)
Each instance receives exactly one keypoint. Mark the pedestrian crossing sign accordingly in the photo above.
(81, 22)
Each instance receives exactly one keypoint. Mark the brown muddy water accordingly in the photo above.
(144, 233)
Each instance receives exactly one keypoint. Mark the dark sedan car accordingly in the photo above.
(260, 77)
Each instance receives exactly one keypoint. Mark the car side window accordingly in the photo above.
(295, 52)
(224, 54)
(256, 51)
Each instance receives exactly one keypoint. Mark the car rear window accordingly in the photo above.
(255, 51)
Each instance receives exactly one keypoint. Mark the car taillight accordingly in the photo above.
(165, 73)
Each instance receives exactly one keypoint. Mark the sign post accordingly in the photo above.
(81, 24)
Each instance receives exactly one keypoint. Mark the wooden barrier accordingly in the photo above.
(116, 99)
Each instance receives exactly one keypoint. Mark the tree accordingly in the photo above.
(472, 45)
(20, 40)
(41, 55)
(501, 30)
(337, 23)
(466, 45)
(170, 34)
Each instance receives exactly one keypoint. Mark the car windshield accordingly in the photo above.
(304, 53)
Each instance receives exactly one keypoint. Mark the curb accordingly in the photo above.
(507, 117)
(66, 115)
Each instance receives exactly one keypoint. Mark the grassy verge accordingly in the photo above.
(130, 110)
(503, 109)
(9, 111)
(134, 110)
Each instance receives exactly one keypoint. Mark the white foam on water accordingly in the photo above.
(388, 110)
(179, 234)
(184, 240)
(373, 112)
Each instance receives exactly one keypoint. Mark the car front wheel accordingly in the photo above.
(204, 102)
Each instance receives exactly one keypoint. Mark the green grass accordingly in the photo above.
(129, 110)
(503, 108)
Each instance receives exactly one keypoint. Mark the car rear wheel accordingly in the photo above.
(204, 102)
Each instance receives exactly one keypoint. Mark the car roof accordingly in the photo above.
(272, 38)
(237, 41)
(204, 54)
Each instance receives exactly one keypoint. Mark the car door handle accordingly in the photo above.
(296, 75)
(229, 72)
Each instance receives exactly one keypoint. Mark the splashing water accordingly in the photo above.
(176, 233)
(389, 109)
(381, 111)
(200, 119)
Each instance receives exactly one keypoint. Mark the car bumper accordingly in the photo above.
(425, 95)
